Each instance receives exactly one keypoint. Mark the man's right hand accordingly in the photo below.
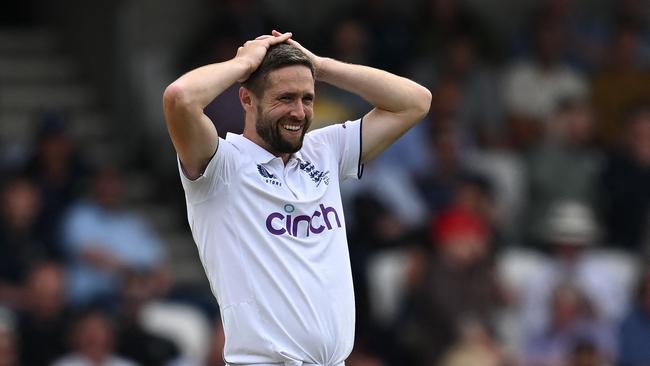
(252, 52)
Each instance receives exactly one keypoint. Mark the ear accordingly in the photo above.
(247, 99)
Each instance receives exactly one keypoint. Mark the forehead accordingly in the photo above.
(295, 78)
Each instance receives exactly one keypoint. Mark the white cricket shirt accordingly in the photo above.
(273, 244)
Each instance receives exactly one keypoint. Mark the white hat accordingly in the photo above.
(570, 223)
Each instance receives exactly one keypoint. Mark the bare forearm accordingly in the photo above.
(202, 85)
(399, 103)
(382, 89)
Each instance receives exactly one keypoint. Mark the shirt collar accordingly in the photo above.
(258, 153)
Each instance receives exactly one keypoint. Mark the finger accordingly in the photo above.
(279, 39)
(263, 37)
(275, 33)
(294, 43)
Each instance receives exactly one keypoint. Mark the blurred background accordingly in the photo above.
(510, 227)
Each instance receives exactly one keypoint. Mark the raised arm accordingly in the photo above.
(193, 134)
(399, 102)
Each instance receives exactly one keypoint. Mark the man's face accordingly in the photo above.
(285, 110)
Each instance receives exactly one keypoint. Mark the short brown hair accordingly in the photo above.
(277, 56)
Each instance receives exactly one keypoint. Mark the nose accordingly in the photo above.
(298, 110)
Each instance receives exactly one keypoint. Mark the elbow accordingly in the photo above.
(423, 101)
(175, 96)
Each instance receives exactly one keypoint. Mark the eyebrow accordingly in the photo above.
(294, 94)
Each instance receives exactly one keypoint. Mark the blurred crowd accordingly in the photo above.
(510, 227)
(84, 280)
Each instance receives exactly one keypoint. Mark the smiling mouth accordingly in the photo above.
(292, 128)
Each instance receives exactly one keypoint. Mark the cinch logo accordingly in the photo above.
(279, 224)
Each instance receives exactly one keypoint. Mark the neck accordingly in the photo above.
(250, 134)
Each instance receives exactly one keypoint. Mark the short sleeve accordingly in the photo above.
(344, 140)
(217, 175)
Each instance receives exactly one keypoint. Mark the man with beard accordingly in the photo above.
(265, 208)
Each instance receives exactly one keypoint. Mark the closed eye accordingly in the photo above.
(291, 97)
(308, 100)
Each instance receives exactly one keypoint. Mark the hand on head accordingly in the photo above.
(315, 60)
(253, 51)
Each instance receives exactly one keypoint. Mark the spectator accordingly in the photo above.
(571, 235)
(438, 20)
(58, 171)
(622, 82)
(625, 186)
(438, 185)
(391, 29)
(92, 343)
(567, 152)
(504, 171)
(533, 87)
(459, 285)
(583, 31)
(474, 194)
(105, 241)
(44, 323)
(573, 333)
(635, 330)
(351, 41)
(476, 346)
(21, 242)
(478, 112)
(133, 340)
(636, 12)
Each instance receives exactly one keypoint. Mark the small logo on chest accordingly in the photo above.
(269, 177)
(315, 175)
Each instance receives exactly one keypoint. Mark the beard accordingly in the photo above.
(270, 131)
